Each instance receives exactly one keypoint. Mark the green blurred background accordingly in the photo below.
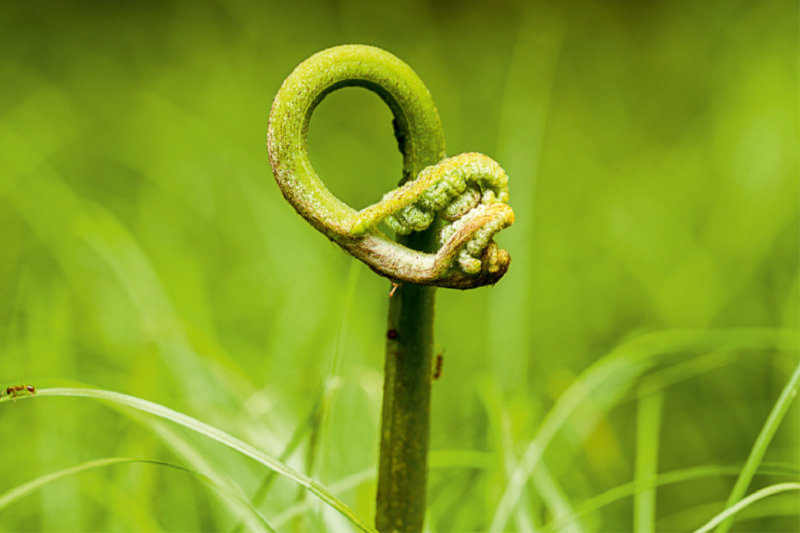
(652, 149)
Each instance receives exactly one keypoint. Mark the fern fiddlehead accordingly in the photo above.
(469, 191)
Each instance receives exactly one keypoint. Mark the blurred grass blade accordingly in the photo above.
(297, 437)
(762, 443)
(524, 110)
(556, 499)
(253, 517)
(460, 459)
(728, 513)
(661, 379)
(45, 197)
(217, 435)
(628, 489)
(182, 448)
(612, 375)
(23, 490)
(648, 428)
(500, 424)
(319, 446)
(348, 483)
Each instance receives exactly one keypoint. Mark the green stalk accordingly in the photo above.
(405, 424)
(405, 416)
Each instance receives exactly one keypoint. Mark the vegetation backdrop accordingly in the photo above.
(652, 149)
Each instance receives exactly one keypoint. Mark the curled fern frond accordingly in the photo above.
(468, 191)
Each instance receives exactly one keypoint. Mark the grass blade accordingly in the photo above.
(614, 373)
(215, 434)
(728, 513)
(15, 494)
(500, 424)
(11, 496)
(677, 476)
(346, 484)
(182, 448)
(648, 428)
(297, 438)
(762, 443)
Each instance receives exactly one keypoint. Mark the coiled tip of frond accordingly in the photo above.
(467, 244)
(494, 262)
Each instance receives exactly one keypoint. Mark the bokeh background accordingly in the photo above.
(652, 149)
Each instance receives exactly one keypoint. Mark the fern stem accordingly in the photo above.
(405, 424)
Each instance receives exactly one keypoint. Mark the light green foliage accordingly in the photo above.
(145, 249)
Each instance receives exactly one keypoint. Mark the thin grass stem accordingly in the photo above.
(762, 443)
(678, 476)
(214, 434)
(249, 513)
(730, 512)
(615, 373)
(648, 428)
